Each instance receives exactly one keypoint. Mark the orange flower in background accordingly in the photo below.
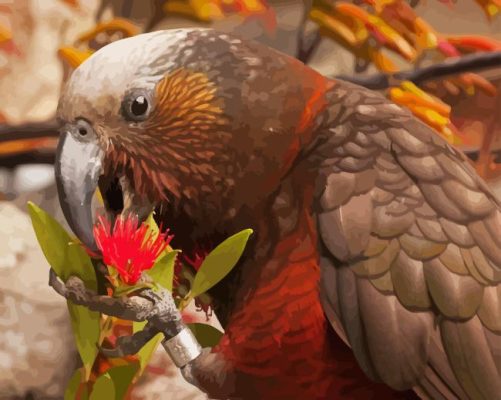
(128, 247)
(210, 10)
(7, 43)
(426, 107)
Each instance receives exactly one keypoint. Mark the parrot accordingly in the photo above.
(374, 269)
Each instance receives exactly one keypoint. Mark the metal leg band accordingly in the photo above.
(182, 348)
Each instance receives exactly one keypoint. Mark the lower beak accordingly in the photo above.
(78, 167)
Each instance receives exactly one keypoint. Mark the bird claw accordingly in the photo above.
(156, 307)
(127, 345)
(134, 308)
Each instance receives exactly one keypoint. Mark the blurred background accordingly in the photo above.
(439, 58)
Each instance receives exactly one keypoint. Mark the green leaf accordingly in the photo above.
(124, 290)
(114, 384)
(219, 262)
(155, 230)
(67, 259)
(103, 389)
(149, 348)
(113, 272)
(84, 393)
(207, 335)
(73, 388)
(162, 272)
(86, 328)
(64, 256)
(150, 221)
(122, 377)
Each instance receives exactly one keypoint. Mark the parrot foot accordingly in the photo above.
(156, 307)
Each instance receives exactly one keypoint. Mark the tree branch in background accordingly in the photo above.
(156, 16)
(100, 11)
(28, 143)
(30, 157)
(468, 63)
(307, 43)
(32, 130)
(126, 10)
(452, 66)
(485, 151)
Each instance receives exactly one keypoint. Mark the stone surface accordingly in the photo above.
(37, 353)
(32, 80)
(162, 380)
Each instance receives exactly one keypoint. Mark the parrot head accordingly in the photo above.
(197, 125)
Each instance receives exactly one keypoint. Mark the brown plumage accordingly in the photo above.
(429, 258)
(367, 223)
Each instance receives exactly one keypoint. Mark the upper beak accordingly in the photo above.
(78, 166)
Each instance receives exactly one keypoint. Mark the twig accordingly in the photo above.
(133, 308)
(32, 130)
(28, 131)
(485, 152)
(157, 15)
(452, 66)
(127, 345)
(30, 157)
(100, 11)
(126, 9)
(306, 43)
(155, 306)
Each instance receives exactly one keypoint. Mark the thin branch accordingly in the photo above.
(452, 66)
(28, 131)
(33, 130)
(102, 8)
(30, 157)
(127, 345)
(158, 307)
(485, 152)
(155, 306)
(306, 43)
(126, 9)
(156, 16)
(133, 308)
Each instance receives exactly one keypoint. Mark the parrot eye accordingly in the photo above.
(136, 107)
(139, 106)
(80, 129)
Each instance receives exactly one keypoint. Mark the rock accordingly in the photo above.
(162, 380)
(37, 353)
(34, 78)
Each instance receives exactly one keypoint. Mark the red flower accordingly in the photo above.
(130, 248)
(195, 262)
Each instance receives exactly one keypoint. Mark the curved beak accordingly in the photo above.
(78, 167)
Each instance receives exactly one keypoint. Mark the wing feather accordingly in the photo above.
(471, 357)
(351, 321)
(411, 255)
(399, 346)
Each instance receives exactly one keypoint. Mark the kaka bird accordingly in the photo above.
(370, 229)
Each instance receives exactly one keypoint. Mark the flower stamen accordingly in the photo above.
(128, 246)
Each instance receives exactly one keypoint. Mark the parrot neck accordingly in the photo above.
(277, 333)
(276, 327)
(280, 329)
